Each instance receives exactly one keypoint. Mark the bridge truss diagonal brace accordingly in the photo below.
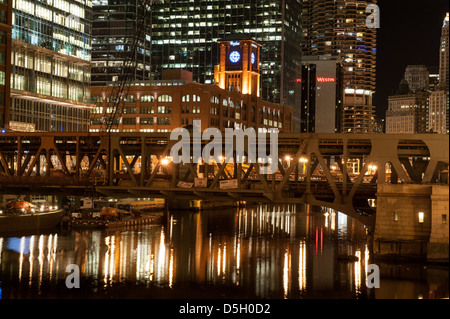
(295, 162)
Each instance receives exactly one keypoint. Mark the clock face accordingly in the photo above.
(235, 56)
(253, 58)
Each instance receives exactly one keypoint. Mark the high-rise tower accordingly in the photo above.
(443, 68)
(5, 61)
(339, 27)
(115, 27)
(439, 98)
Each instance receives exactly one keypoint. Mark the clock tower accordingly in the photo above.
(239, 65)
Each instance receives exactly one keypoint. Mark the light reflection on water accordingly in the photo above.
(256, 252)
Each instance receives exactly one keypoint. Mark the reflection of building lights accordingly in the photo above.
(358, 271)
(333, 220)
(302, 266)
(286, 275)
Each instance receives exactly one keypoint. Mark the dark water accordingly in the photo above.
(256, 252)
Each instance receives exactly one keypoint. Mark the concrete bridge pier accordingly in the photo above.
(410, 222)
(438, 245)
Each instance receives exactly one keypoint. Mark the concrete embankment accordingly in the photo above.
(412, 222)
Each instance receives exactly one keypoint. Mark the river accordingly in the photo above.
(278, 252)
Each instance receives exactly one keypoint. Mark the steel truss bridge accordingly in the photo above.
(340, 171)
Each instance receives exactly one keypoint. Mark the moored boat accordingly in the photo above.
(28, 218)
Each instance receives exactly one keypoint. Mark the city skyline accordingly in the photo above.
(407, 28)
(213, 154)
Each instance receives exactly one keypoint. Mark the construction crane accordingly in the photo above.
(121, 87)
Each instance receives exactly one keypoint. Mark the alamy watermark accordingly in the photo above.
(242, 146)
(373, 20)
(73, 279)
(373, 276)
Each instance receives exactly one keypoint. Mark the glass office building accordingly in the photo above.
(115, 27)
(5, 59)
(339, 28)
(50, 74)
(185, 35)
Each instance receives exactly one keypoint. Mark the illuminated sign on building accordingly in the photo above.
(322, 79)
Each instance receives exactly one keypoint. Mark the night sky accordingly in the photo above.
(410, 33)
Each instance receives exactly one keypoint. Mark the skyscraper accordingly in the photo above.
(5, 59)
(50, 74)
(408, 111)
(418, 77)
(443, 67)
(321, 94)
(439, 93)
(115, 27)
(185, 35)
(339, 27)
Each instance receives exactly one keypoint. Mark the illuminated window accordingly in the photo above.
(421, 217)
(165, 98)
(147, 98)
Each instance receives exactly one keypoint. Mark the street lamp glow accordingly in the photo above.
(165, 161)
(303, 160)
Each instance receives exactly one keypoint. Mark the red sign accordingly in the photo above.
(322, 79)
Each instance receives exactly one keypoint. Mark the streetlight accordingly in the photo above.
(303, 160)
(165, 161)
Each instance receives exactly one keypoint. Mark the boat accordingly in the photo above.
(23, 216)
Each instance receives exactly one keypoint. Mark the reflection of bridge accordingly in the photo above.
(335, 170)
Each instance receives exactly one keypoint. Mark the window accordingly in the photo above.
(97, 110)
(129, 110)
(444, 219)
(421, 217)
(165, 98)
(129, 99)
(225, 102)
(129, 121)
(147, 110)
(147, 120)
(214, 99)
(96, 99)
(164, 109)
(164, 120)
(395, 217)
(147, 99)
